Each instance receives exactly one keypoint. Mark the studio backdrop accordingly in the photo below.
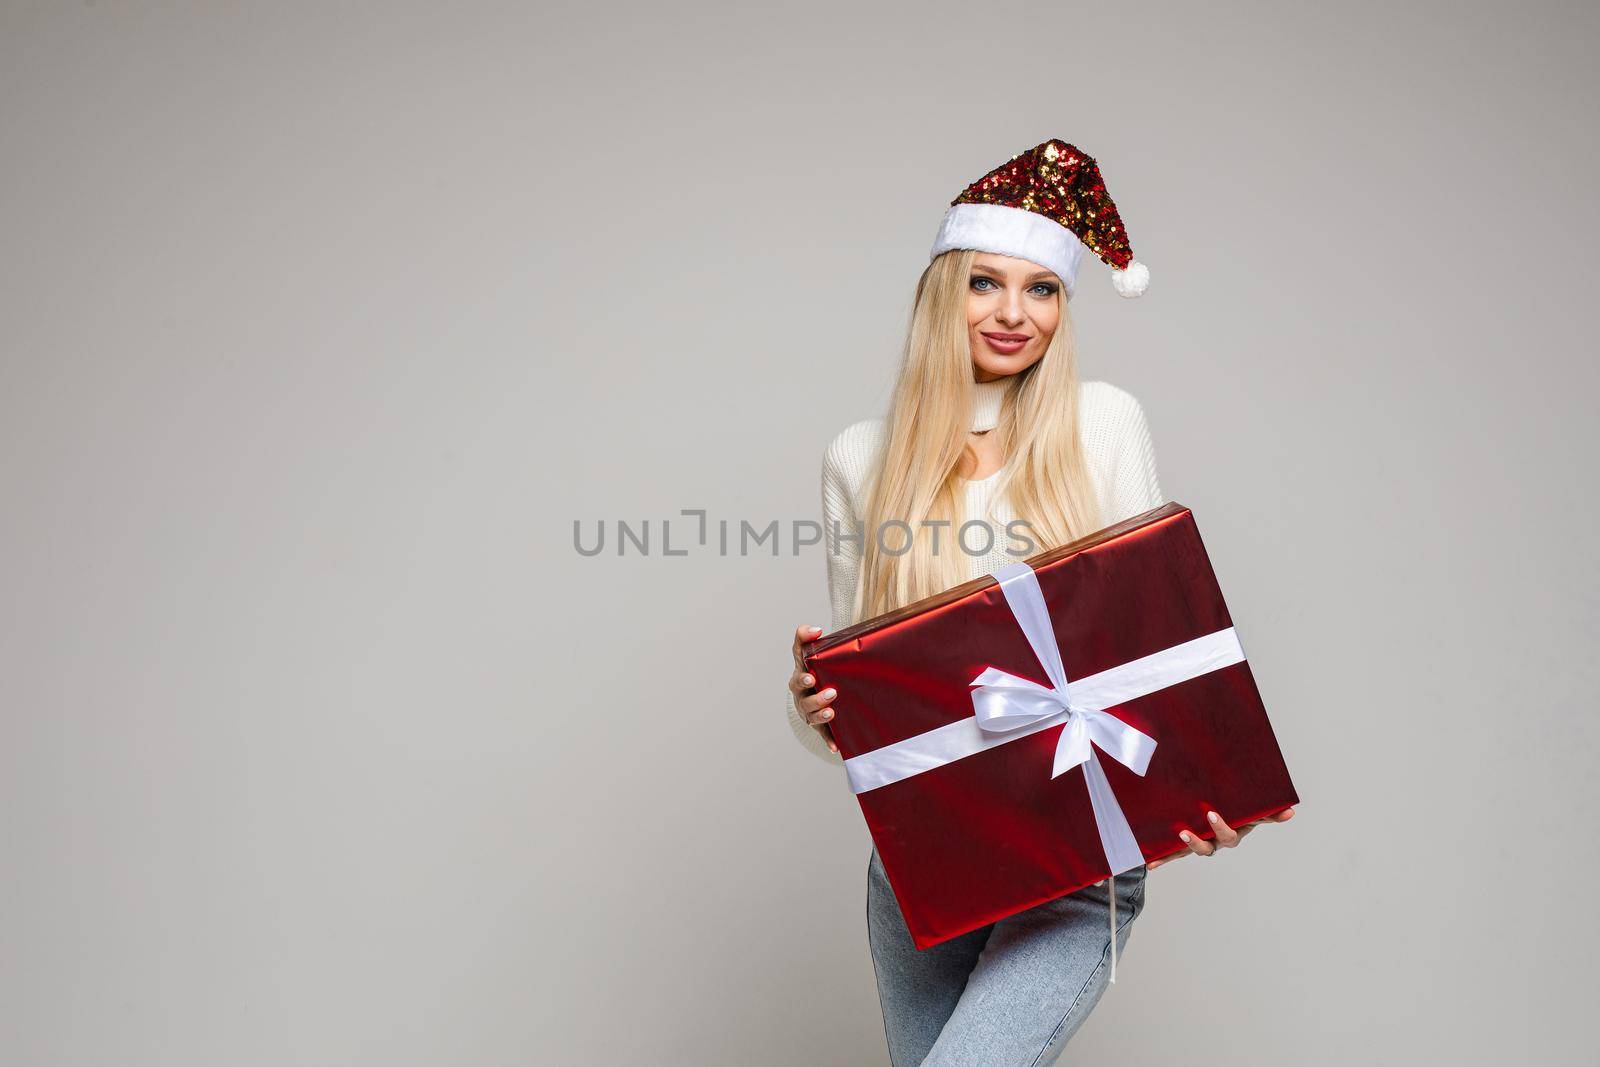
(333, 338)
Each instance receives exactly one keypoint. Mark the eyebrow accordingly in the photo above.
(996, 274)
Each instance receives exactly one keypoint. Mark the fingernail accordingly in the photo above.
(827, 713)
(1185, 835)
(807, 680)
(828, 694)
(1213, 816)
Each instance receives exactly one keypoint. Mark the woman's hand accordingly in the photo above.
(1227, 837)
(812, 706)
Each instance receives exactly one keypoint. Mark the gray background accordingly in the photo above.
(321, 324)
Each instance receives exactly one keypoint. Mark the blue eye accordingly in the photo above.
(1048, 287)
(979, 278)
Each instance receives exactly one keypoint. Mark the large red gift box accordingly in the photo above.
(993, 780)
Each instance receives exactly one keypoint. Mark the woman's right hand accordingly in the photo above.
(813, 706)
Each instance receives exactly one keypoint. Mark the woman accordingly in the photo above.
(990, 422)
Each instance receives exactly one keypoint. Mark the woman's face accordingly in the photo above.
(1012, 311)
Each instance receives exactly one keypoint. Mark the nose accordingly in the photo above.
(1010, 311)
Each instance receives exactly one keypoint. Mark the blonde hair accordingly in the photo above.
(917, 479)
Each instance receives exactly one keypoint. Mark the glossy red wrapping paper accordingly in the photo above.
(992, 834)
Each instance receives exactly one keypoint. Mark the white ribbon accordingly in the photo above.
(1007, 708)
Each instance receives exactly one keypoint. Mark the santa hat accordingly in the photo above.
(1045, 205)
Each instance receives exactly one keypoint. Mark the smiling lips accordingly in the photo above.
(1006, 343)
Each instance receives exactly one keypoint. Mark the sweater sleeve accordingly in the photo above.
(1135, 486)
(843, 562)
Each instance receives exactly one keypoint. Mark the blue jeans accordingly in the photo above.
(1010, 993)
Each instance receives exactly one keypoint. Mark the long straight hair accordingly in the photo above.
(1045, 477)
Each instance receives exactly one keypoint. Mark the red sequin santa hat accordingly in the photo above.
(1045, 205)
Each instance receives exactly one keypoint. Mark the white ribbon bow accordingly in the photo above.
(1005, 702)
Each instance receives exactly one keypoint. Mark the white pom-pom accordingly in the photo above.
(1133, 281)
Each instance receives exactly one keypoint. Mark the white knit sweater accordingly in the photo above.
(1122, 464)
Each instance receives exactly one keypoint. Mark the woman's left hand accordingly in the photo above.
(1227, 837)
